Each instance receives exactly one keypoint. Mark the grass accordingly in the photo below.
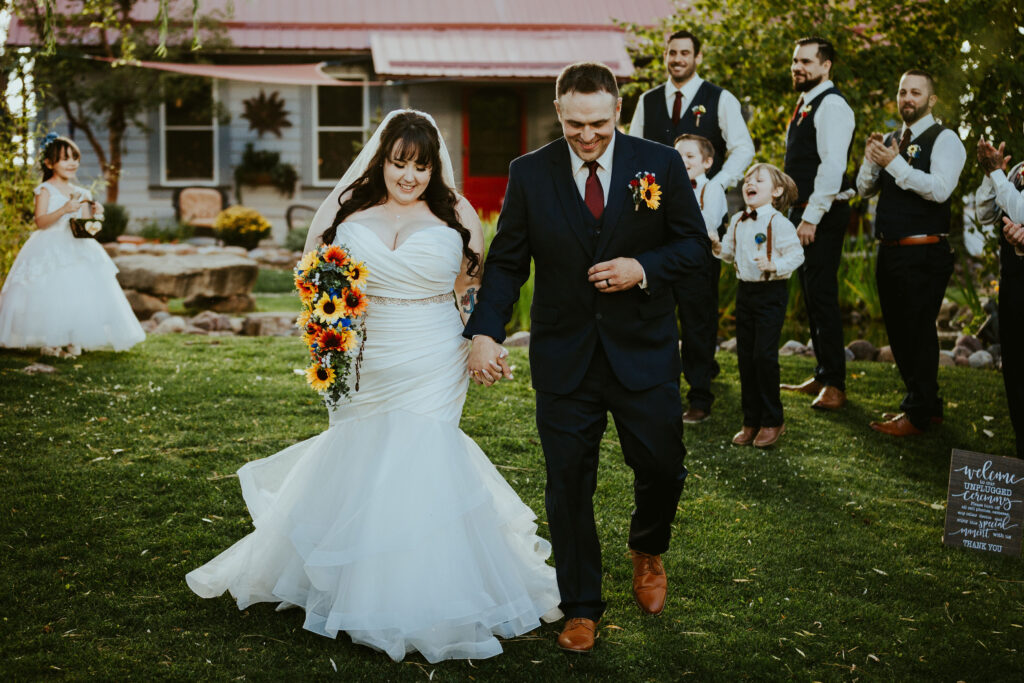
(819, 560)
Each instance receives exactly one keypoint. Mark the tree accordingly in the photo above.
(102, 98)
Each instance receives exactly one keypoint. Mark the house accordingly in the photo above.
(485, 69)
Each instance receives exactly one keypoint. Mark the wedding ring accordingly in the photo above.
(607, 283)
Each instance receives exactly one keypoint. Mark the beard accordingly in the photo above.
(685, 76)
(807, 84)
(910, 115)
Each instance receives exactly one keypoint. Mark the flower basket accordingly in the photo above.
(241, 226)
(86, 228)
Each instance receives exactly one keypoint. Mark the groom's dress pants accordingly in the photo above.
(650, 427)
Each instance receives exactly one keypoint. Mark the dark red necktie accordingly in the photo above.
(593, 193)
(677, 108)
(905, 140)
(752, 215)
(796, 109)
(693, 183)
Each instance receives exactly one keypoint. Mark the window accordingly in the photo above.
(340, 116)
(189, 136)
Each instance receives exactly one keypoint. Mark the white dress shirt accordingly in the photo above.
(580, 172)
(740, 247)
(997, 192)
(713, 205)
(833, 125)
(739, 147)
(948, 157)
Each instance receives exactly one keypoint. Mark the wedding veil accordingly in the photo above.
(329, 208)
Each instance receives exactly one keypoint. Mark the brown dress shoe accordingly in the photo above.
(694, 416)
(578, 635)
(650, 585)
(830, 398)
(935, 419)
(899, 426)
(745, 436)
(768, 436)
(810, 387)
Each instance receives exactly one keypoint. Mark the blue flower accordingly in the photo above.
(760, 238)
(50, 137)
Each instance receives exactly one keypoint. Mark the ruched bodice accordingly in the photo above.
(424, 264)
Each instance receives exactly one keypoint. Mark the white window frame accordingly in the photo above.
(214, 127)
(317, 128)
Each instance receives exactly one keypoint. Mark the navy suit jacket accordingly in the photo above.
(542, 219)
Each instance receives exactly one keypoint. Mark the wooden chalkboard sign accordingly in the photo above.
(985, 504)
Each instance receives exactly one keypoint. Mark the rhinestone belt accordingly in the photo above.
(446, 298)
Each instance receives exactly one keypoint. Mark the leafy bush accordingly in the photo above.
(17, 203)
(166, 231)
(241, 226)
(273, 281)
(115, 221)
(295, 240)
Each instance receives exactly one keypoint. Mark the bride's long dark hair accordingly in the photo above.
(411, 138)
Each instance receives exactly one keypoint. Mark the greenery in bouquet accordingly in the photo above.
(241, 226)
(330, 284)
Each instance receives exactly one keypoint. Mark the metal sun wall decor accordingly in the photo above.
(266, 114)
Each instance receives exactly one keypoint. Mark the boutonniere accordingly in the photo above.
(804, 111)
(698, 112)
(913, 151)
(645, 191)
(760, 239)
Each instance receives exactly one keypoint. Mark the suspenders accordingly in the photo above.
(768, 244)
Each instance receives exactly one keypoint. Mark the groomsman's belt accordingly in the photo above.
(912, 241)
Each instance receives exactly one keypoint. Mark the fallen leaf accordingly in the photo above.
(879, 571)
(988, 433)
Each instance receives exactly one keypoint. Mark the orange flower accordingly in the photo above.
(356, 273)
(354, 303)
(336, 255)
(334, 340)
(306, 290)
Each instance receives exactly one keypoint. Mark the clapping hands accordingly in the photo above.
(1014, 233)
(877, 152)
(991, 158)
(488, 361)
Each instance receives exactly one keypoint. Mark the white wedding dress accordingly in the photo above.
(62, 290)
(393, 525)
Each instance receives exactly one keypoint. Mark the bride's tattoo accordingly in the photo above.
(468, 302)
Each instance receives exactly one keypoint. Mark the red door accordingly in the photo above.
(493, 134)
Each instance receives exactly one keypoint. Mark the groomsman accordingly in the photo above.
(914, 171)
(1000, 200)
(688, 105)
(817, 150)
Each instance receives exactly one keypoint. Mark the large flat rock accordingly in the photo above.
(187, 275)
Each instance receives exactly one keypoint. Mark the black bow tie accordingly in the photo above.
(752, 215)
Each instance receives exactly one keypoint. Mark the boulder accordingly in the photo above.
(885, 355)
(963, 352)
(148, 326)
(862, 349)
(792, 348)
(237, 303)
(972, 343)
(981, 359)
(961, 361)
(946, 359)
(728, 345)
(188, 275)
(211, 322)
(274, 256)
(996, 350)
(192, 329)
(269, 325)
(160, 316)
(173, 325)
(37, 368)
(947, 313)
(520, 338)
(143, 305)
(849, 355)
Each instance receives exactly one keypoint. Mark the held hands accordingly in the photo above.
(1014, 233)
(877, 152)
(487, 361)
(616, 275)
(716, 247)
(991, 158)
(805, 231)
(764, 264)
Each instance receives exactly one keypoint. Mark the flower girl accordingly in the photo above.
(61, 294)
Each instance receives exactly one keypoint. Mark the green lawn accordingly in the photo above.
(819, 560)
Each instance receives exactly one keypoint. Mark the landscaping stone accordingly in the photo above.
(148, 326)
(946, 359)
(192, 329)
(143, 305)
(172, 275)
(520, 338)
(849, 355)
(961, 361)
(728, 345)
(237, 303)
(173, 325)
(792, 348)
(981, 359)
(38, 368)
(885, 355)
(275, 256)
(963, 352)
(160, 316)
(972, 343)
(862, 349)
(269, 325)
(947, 313)
(211, 322)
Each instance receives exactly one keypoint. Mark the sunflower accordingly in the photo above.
(651, 192)
(333, 340)
(356, 273)
(320, 377)
(336, 255)
(354, 303)
(308, 262)
(306, 290)
(303, 319)
(329, 308)
(311, 333)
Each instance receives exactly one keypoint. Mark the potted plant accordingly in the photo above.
(263, 167)
(241, 226)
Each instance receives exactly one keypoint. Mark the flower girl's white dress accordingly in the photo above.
(393, 525)
(63, 290)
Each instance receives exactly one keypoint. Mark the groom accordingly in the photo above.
(603, 331)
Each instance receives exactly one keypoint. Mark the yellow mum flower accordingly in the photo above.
(309, 261)
(651, 193)
(319, 377)
(329, 309)
(356, 273)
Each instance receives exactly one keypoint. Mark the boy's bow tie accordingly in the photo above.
(752, 215)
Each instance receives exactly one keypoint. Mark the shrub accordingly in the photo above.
(166, 231)
(295, 240)
(115, 220)
(241, 226)
(17, 205)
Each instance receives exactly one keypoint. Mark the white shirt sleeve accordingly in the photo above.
(714, 208)
(1007, 197)
(739, 147)
(727, 253)
(834, 124)
(948, 157)
(636, 126)
(867, 178)
(787, 252)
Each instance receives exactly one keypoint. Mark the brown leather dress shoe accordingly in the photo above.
(745, 436)
(768, 436)
(694, 416)
(899, 426)
(811, 387)
(650, 585)
(830, 398)
(935, 419)
(578, 635)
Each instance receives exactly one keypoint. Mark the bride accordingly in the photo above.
(392, 525)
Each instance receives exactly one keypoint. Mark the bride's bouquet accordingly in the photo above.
(330, 284)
